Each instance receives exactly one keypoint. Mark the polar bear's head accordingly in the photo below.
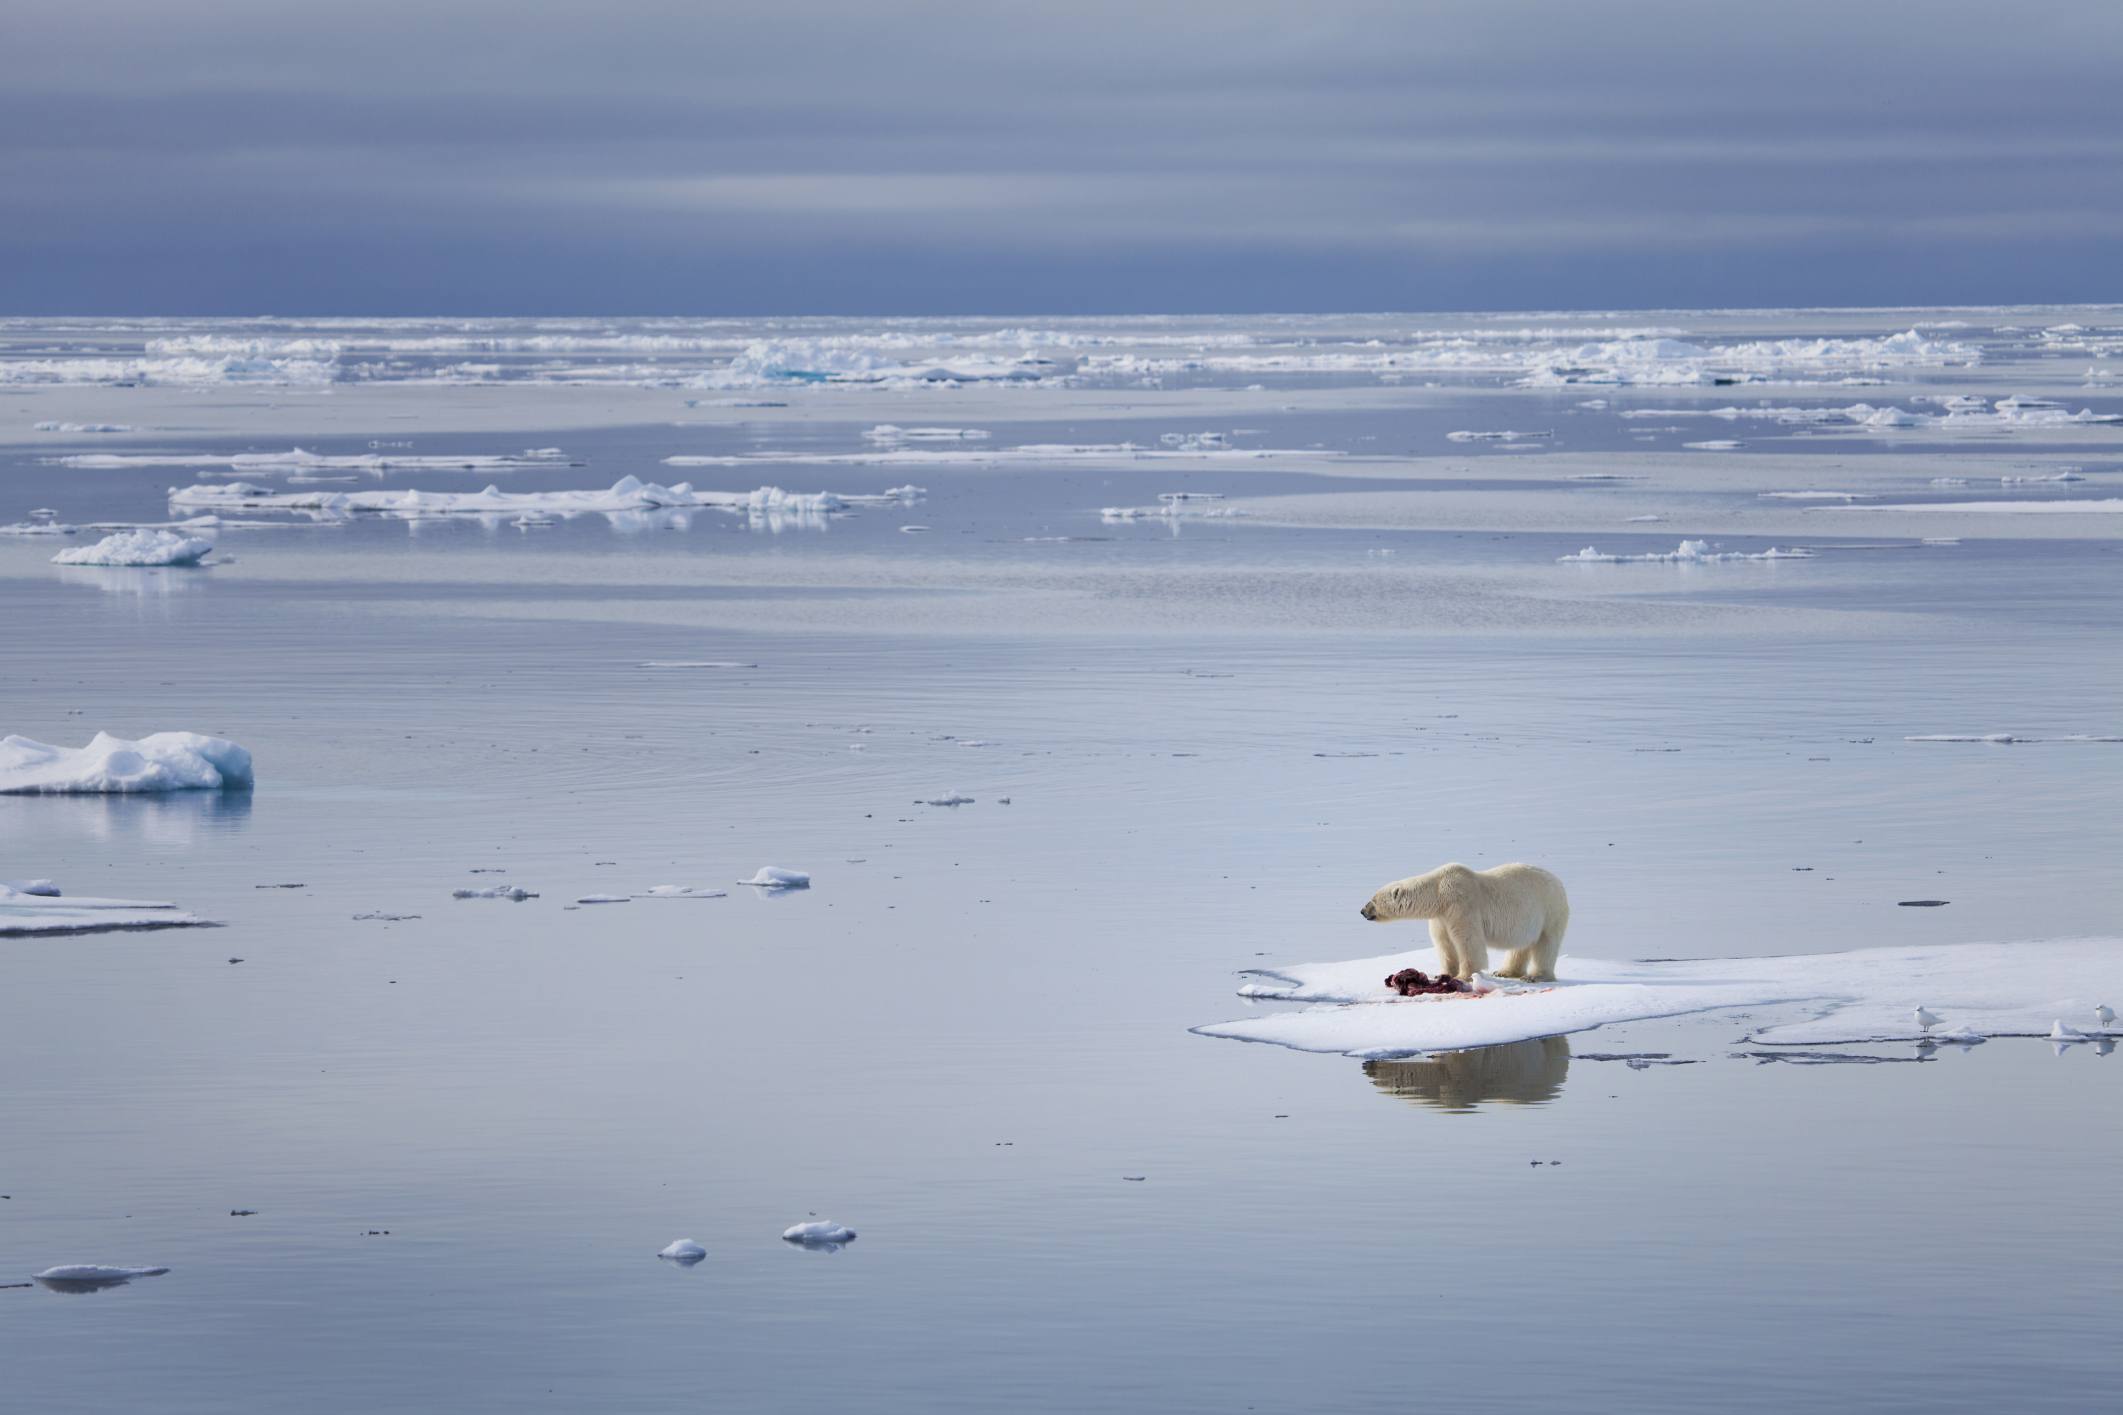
(1411, 898)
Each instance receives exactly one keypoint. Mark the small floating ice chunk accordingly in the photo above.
(685, 1251)
(144, 547)
(888, 432)
(35, 910)
(1506, 435)
(775, 877)
(954, 799)
(514, 892)
(606, 899)
(1716, 445)
(818, 1233)
(163, 761)
(682, 891)
(82, 427)
(2062, 1031)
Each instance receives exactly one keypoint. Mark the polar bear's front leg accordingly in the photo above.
(1448, 952)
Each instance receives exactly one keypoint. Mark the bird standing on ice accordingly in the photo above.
(1926, 1018)
(2105, 1015)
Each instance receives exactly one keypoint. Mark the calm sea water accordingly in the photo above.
(465, 1134)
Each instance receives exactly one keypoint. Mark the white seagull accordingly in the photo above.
(1926, 1018)
(2104, 1014)
(2062, 1033)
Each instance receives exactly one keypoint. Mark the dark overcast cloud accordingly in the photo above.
(630, 156)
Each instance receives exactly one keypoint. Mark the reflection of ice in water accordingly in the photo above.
(1517, 1073)
(140, 581)
(175, 819)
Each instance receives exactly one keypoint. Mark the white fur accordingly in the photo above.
(1519, 909)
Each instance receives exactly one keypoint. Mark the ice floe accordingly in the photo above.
(39, 528)
(775, 877)
(1688, 552)
(164, 761)
(86, 1277)
(37, 907)
(626, 494)
(82, 427)
(142, 547)
(1042, 452)
(1978, 990)
(298, 460)
(683, 1251)
(1506, 435)
(2094, 506)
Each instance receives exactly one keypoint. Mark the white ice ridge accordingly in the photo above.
(1975, 989)
(38, 910)
(1502, 436)
(82, 427)
(142, 547)
(1688, 552)
(297, 460)
(2103, 506)
(989, 456)
(626, 494)
(775, 877)
(165, 761)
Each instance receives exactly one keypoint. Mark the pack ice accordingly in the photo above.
(164, 761)
(626, 494)
(1974, 990)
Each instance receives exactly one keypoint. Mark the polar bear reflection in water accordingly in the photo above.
(1517, 1073)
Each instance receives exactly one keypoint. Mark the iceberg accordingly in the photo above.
(1856, 998)
(165, 761)
(141, 547)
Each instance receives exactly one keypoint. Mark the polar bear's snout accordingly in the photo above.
(1370, 910)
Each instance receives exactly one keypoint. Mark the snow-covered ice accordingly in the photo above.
(775, 877)
(93, 1274)
(683, 1250)
(514, 892)
(1982, 989)
(142, 547)
(163, 761)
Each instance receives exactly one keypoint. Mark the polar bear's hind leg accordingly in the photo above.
(1516, 963)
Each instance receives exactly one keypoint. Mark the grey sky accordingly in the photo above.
(235, 156)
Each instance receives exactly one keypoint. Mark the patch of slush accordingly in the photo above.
(163, 761)
(775, 877)
(515, 892)
(1688, 552)
(1872, 995)
(143, 547)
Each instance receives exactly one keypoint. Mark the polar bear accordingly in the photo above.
(1517, 908)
